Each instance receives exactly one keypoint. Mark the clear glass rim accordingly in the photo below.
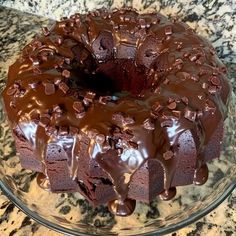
(161, 231)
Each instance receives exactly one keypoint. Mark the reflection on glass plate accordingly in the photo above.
(71, 213)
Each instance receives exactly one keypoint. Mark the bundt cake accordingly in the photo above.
(119, 106)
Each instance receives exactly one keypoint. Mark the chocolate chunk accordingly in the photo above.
(35, 61)
(156, 108)
(201, 96)
(56, 108)
(36, 44)
(63, 131)
(194, 78)
(184, 75)
(172, 105)
(199, 114)
(104, 99)
(193, 57)
(37, 71)
(44, 120)
(11, 90)
(190, 115)
(200, 61)
(128, 120)
(51, 130)
(166, 123)
(168, 155)
(210, 106)
(177, 114)
(59, 63)
(59, 40)
(127, 135)
(49, 88)
(63, 87)
(13, 104)
(143, 24)
(186, 54)
(35, 117)
(44, 56)
(168, 30)
(65, 73)
(67, 61)
(62, 24)
(100, 138)
(79, 115)
(215, 80)
(89, 97)
(185, 100)
(212, 89)
(178, 63)
(170, 100)
(78, 106)
(34, 84)
(92, 133)
(202, 72)
(204, 85)
(57, 81)
(118, 117)
(73, 130)
(149, 124)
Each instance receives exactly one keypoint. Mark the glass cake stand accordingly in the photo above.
(72, 215)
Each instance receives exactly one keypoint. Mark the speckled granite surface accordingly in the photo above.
(15, 33)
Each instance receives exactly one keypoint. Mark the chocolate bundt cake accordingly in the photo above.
(119, 106)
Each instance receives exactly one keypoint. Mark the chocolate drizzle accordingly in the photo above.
(131, 90)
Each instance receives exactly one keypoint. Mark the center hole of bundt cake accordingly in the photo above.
(114, 77)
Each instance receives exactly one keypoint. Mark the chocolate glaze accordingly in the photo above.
(168, 194)
(119, 88)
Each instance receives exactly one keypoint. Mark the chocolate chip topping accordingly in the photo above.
(172, 105)
(49, 88)
(100, 138)
(78, 106)
(89, 97)
(104, 99)
(44, 120)
(63, 87)
(190, 115)
(66, 73)
(215, 80)
(185, 100)
(168, 30)
(168, 155)
(149, 124)
(73, 130)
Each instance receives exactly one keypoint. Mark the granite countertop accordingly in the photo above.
(16, 31)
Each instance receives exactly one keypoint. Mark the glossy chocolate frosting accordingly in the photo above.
(131, 83)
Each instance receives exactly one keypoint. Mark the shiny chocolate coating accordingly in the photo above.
(120, 88)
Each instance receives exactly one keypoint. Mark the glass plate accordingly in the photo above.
(71, 214)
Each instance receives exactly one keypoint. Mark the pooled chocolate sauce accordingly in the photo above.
(122, 208)
(117, 89)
